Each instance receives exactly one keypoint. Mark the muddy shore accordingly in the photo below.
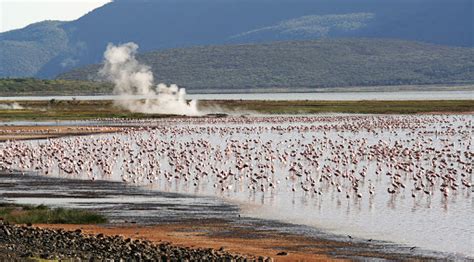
(189, 221)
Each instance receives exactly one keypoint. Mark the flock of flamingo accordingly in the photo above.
(352, 156)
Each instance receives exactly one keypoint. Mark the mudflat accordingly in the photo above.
(50, 131)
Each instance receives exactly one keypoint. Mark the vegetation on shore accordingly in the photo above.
(41, 214)
(83, 110)
(68, 110)
(361, 107)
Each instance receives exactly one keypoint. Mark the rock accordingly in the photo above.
(28, 241)
(7, 232)
(26, 254)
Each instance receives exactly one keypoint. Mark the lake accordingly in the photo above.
(397, 178)
(329, 96)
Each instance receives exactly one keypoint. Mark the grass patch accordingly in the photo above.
(25, 214)
(361, 107)
(83, 110)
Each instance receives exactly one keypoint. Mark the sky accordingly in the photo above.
(16, 14)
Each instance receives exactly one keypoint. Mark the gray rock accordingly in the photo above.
(27, 241)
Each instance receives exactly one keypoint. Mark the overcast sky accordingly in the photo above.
(16, 14)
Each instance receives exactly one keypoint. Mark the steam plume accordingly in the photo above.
(134, 79)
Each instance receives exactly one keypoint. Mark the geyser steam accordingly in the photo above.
(134, 79)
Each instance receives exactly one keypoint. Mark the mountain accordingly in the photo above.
(23, 52)
(48, 48)
(305, 64)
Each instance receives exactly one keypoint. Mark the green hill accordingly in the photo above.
(31, 86)
(47, 49)
(23, 52)
(306, 64)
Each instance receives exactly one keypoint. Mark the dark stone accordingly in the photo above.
(26, 254)
(27, 241)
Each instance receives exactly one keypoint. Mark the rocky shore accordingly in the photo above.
(19, 242)
(185, 221)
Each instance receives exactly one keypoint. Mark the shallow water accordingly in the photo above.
(122, 203)
(316, 96)
(427, 221)
(344, 96)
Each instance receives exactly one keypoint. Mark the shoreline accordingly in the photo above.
(193, 228)
(208, 234)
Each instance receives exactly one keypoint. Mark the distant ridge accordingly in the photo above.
(49, 48)
(305, 64)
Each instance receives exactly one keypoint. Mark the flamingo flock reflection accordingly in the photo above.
(353, 156)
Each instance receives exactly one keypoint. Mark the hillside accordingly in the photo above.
(30, 86)
(49, 48)
(305, 64)
(23, 52)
